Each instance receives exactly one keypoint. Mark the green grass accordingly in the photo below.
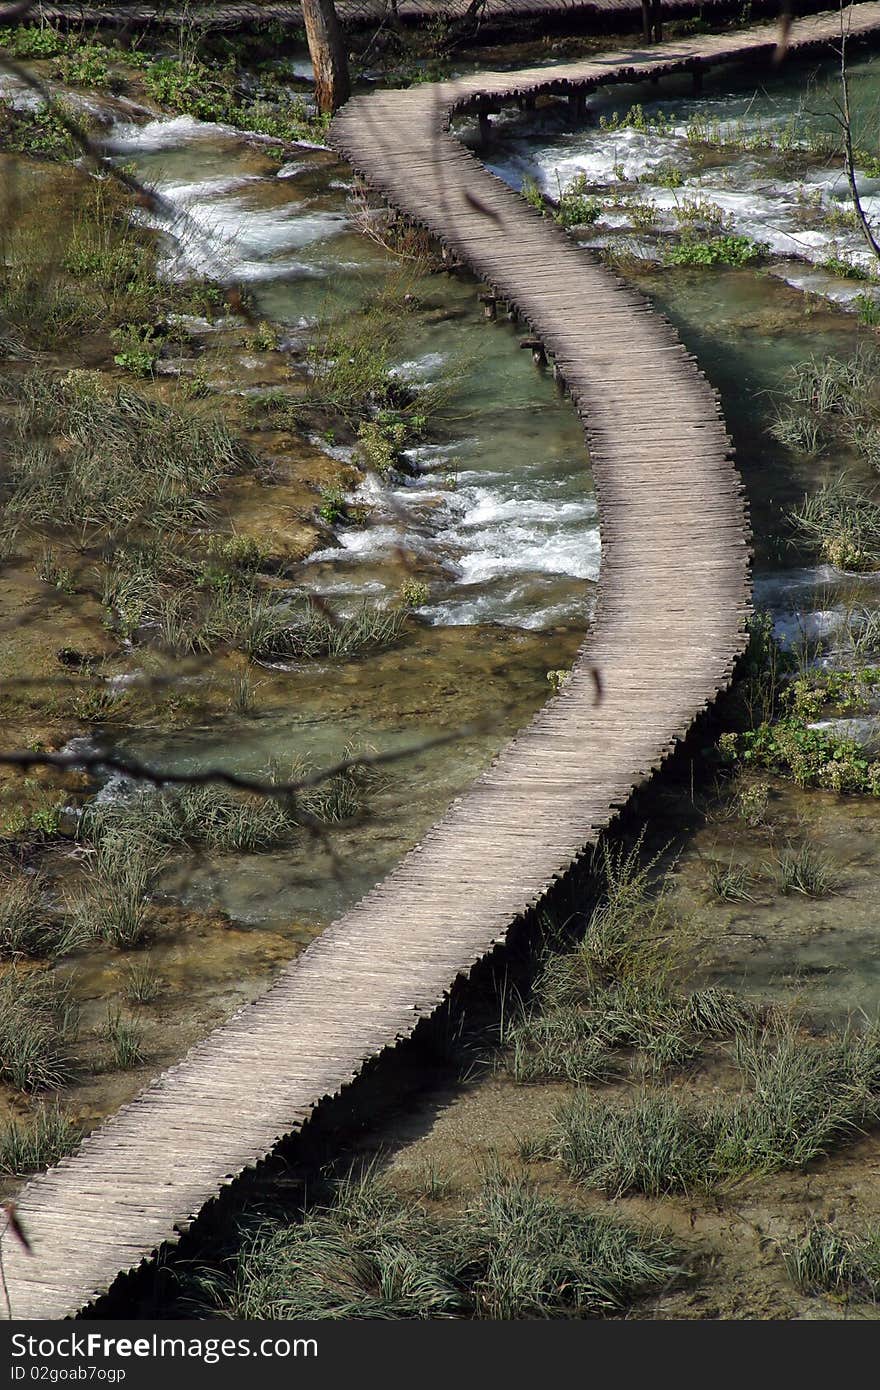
(84, 454)
(826, 1260)
(115, 904)
(26, 926)
(807, 871)
(142, 983)
(730, 882)
(124, 1040)
(799, 1099)
(511, 1253)
(842, 523)
(35, 1031)
(37, 1140)
(317, 632)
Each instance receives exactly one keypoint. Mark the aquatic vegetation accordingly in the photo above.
(752, 803)
(36, 1140)
(413, 593)
(576, 206)
(845, 268)
(124, 1040)
(511, 1253)
(842, 522)
(729, 249)
(868, 308)
(798, 432)
(38, 132)
(379, 445)
(806, 870)
(115, 903)
(693, 213)
(317, 632)
(730, 882)
(825, 1259)
(27, 928)
(33, 40)
(84, 453)
(531, 191)
(36, 1024)
(665, 175)
(142, 983)
(799, 1099)
(139, 348)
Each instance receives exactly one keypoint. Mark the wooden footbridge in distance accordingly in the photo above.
(673, 597)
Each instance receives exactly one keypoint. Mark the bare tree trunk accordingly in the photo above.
(328, 54)
(845, 120)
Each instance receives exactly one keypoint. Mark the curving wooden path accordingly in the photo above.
(674, 591)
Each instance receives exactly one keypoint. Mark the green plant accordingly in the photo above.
(26, 926)
(665, 175)
(843, 523)
(115, 904)
(413, 594)
(139, 348)
(333, 507)
(799, 1099)
(752, 802)
(533, 195)
(33, 41)
(142, 983)
(35, 1027)
(806, 870)
(125, 1041)
(868, 308)
(846, 269)
(826, 1260)
(511, 1253)
(36, 1140)
(715, 250)
(799, 432)
(730, 882)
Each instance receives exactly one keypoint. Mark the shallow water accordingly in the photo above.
(499, 517)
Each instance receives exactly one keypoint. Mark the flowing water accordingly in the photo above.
(499, 517)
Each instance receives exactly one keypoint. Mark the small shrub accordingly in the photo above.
(413, 594)
(730, 250)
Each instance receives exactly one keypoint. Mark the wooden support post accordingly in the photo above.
(577, 105)
(539, 355)
(489, 303)
(697, 78)
(485, 127)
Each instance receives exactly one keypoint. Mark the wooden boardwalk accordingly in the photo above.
(674, 592)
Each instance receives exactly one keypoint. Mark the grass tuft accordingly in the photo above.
(37, 1141)
(35, 1027)
(511, 1253)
